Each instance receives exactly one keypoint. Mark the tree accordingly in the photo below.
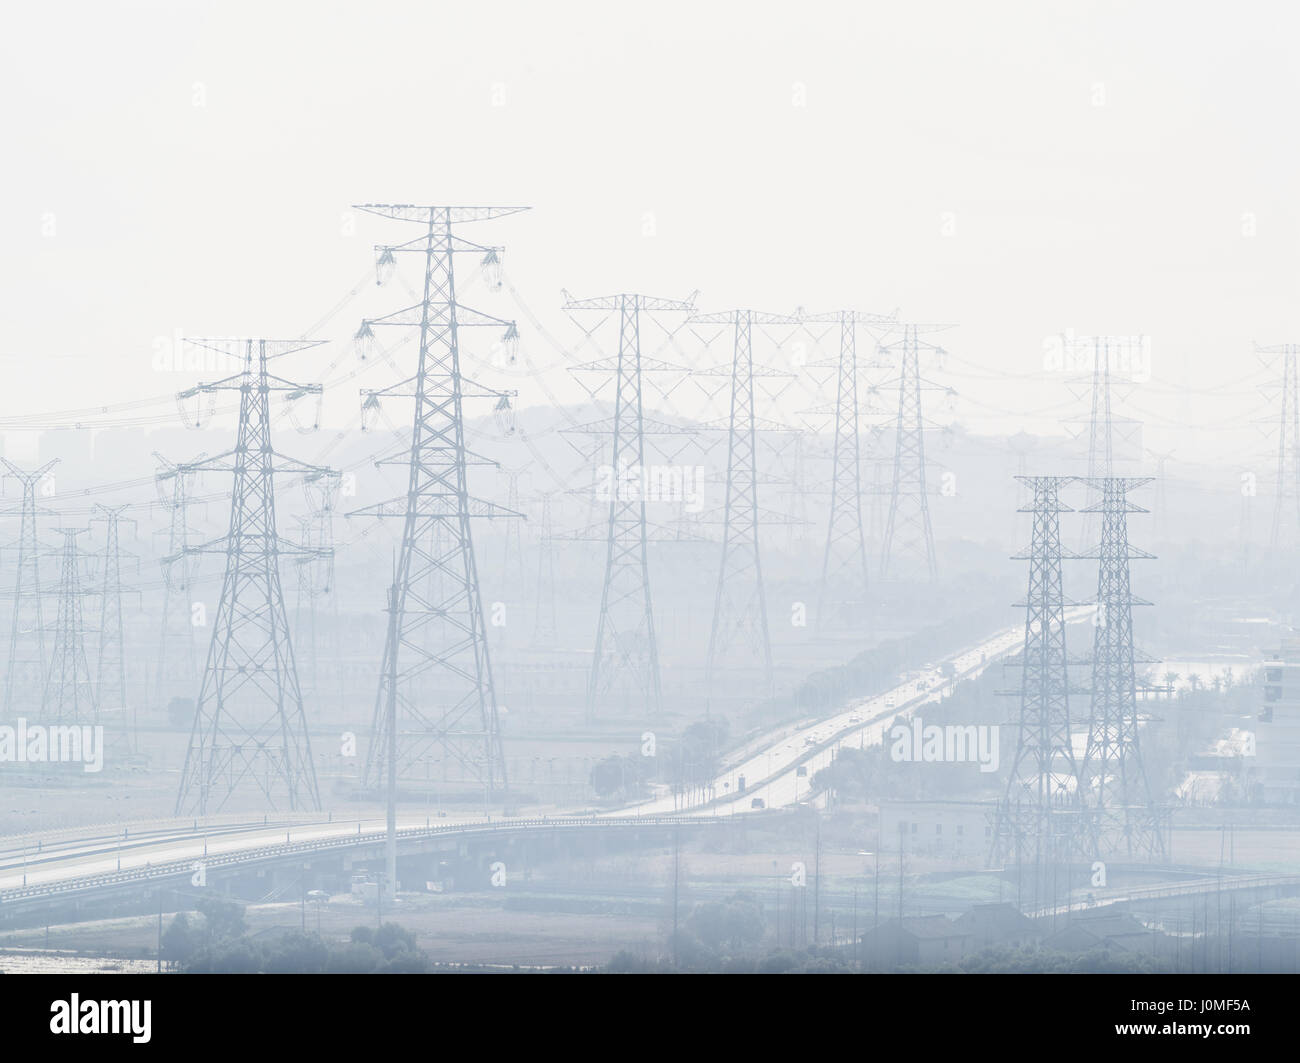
(181, 940)
(607, 776)
(731, 925)
(297, 953)
(223, 919)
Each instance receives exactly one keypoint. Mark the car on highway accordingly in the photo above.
(758, 802)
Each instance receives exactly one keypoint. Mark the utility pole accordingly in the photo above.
(391, 842)
(250, 726)
(817, 881)
(439, 655)
(27, 634)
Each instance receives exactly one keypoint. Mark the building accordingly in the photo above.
(928, 941)
(955, 831)
(999, 923)
(1276, 775)
(1116, 931)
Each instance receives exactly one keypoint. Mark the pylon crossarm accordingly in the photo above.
(426, 214)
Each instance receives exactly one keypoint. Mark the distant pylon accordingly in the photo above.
(316, 580)
(1113, 777)
(1040, 820)
(740, 603)
(110, 665)
(69, 688)
(512, 558)
(625, 662)
(250, 727)
(1162, 492)
(845, 578)
(178, 665)
(907, 528)
(545, 627)
(26, 675)
(1101, 439)
(1287, 488)
(437, 652)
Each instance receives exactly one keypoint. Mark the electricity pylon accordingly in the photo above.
(436, 655)
(1288, 445)
(69, 689)
(625, 664)
(250, 728)
(178, 665)
(740, 603)
(845, 575)
(316, 578)
(907, 528)
(1040, 820)
(1113, 778)
(1104, 428)
(26, 675)
(545, 628)
(110, 666)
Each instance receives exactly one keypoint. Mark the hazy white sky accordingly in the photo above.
(1016, 168)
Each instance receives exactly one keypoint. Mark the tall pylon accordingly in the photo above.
(1287, 489)
(625, 662)
(1113, 778)
(1040, 821)
(250, 728)
(908, 533)
(69, 687)
(26, 675)
(178, 666)
(740, 602)
(114, 707)
(436, 655)
(845, 581)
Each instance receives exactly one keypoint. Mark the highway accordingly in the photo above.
(771, 770)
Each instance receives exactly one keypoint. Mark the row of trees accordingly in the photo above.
(688, 763)
(216, 941)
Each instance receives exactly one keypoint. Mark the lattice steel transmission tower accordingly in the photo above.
(545, 627)
(250, 728)
(437, 653)
(845, 570)
(740, 603)
(1040, 820)
(69, 688)
(1113, 778)
(1288, 446)
(178, 665)
(1104, 429)
(316, 580)
(907, 528)
(625, 663)
(110, 665)
(26, 675)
